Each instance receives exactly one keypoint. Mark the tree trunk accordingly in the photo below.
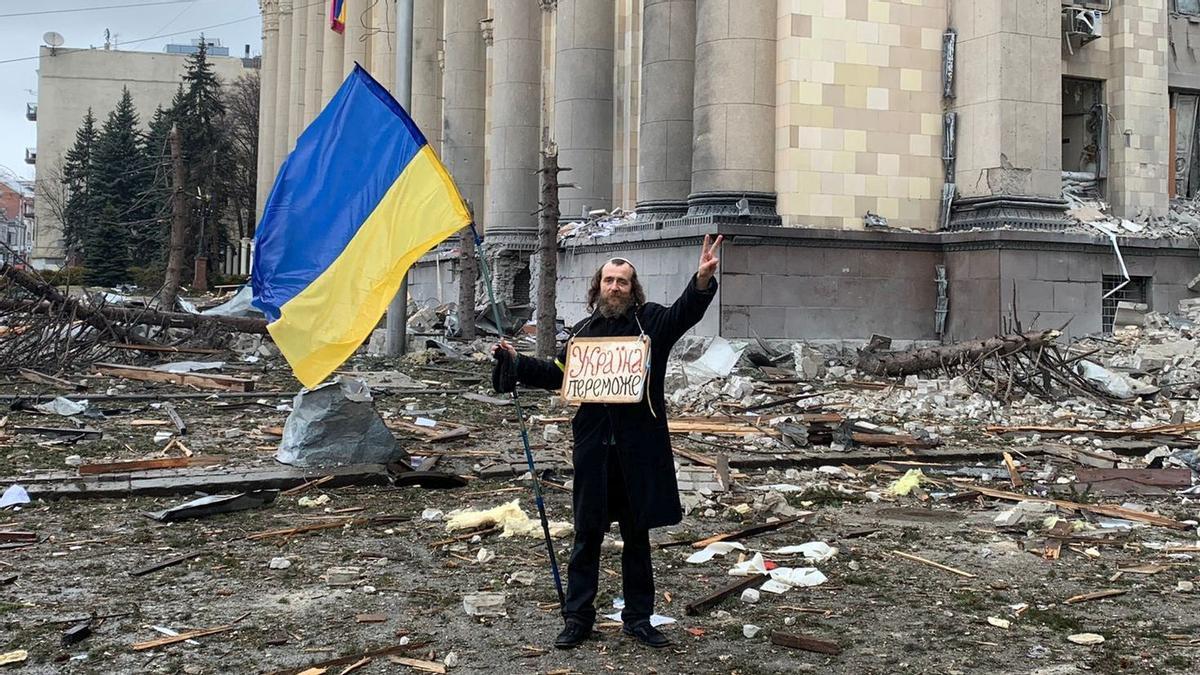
(547, 310)
(44, 290)
(468, 273)
(108, 318)
(179, 212)
(899, 364)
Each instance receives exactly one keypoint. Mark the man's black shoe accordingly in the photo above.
(647, 635)
(571, 636)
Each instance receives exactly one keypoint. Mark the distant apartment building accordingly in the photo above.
(70, 81)
(16, 219)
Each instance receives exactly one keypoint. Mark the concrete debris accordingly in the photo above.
(485, 604)
(810, 363)
(336, 424)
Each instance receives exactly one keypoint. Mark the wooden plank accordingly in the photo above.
(926, 561)
(449, 435)
(134, 465)
(1164, 429)
(13, 535)
(166, 348)
(808, 644)
(892, 440)
(164, 564)
(343, 660)
(190, 635)
(1102, 509)
(419, 664)
(1087, 597)
(1014, 476)
(49, 380)
(1167, 478)
(307, 486)
(203, 381)
(711, 600)
(749, 531)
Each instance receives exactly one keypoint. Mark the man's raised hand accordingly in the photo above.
(708, 262)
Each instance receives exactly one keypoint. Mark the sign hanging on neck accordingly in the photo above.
(606, 369)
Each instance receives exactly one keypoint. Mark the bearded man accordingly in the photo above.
(624, 468)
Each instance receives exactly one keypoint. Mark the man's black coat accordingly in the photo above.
(636, 433)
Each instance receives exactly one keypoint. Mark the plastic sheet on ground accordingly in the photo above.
(1117, 384)
(337, 424)
(717, 361)
(62, 406)
(755, 565)
(236, 306)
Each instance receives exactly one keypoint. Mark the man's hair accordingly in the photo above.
(636, 294)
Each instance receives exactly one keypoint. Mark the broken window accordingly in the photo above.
(1137, 290)
(1187, 6)
(1084, 137)
(1185, 113)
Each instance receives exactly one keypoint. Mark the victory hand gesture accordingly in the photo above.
(708, 262)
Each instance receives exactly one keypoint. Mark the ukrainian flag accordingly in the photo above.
(337, 15)
(356, 203)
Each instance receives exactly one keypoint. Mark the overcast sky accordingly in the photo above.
(82, 24)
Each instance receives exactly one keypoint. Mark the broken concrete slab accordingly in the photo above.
(214, 504)
(1131, 313)
(337, 424)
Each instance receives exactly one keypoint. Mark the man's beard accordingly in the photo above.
(613, 306)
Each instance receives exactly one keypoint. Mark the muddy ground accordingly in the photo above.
(887, 614)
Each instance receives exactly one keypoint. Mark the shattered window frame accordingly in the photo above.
(1137, 290)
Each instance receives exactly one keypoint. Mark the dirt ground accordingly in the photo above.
(887, 613)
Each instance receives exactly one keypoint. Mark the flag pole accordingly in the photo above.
(537, 483)
(397, 313)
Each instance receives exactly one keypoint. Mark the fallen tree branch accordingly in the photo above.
(899, 364)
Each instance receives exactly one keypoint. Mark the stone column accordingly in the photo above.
(283, 83)
(515, 120)
(266, 103)
(583, 103)
(299, 65)
(667, 99)
(355, 37)
(427, 69)
(1139, 142)
(1008, 168)
(314, 53)
(733, 155)
(383, 43)
(332, 47)
(465, 85)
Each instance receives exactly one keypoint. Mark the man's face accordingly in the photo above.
(616, 286)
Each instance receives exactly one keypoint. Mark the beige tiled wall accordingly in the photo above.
(858, 122)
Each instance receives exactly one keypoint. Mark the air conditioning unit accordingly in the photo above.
(1081, 25)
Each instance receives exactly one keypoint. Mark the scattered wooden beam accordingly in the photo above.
(892, 440)
(1014, 476)
(424, 666)
(449, 435)
(1133, 481)
(307, 486)
(713, 599)
(749, 531)
(931, 563)
(169, 562)
(189, 635)
(806, 643)
(84, 432)
(167, 348)
(1086, 597)
(49, 380)
(201, 380)
(12, 535)
(134, 465)
(343, 660)
(1160, 430)
(1102, 509)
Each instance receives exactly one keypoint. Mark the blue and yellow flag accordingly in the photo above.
(337, 15)
(360, 199)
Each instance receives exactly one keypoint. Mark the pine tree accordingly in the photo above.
(120, 186)
(149, 235)
(200, 113)
(80, 211)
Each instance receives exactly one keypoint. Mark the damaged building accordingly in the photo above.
(927, 169)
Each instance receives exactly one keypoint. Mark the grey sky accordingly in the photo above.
(20, 37)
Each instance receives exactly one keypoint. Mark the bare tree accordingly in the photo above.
(547, 309)
(241, 118)
(179, 228)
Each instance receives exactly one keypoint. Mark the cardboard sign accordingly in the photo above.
(606, 370)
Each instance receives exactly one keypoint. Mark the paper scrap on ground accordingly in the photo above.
(62, 406)
(509, 516)
(755, 565)
(719, 548)
(816, 551)
(15, 494)
(656, 620)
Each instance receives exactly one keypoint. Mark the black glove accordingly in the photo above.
(504, 372)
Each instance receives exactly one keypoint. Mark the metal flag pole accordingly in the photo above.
(396, 342)
(537, 484)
